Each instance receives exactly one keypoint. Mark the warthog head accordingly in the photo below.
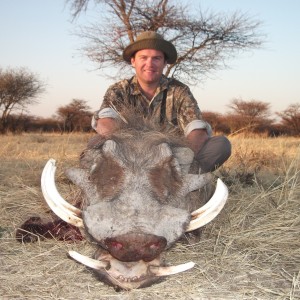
(136, 204)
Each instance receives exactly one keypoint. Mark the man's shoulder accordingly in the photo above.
(121, 85)
(175, 83)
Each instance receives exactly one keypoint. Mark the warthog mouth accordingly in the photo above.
(128, 275)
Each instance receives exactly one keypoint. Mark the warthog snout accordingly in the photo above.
(135, 246)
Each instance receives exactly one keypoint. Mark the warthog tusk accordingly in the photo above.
(211, 209)
(51, 169)
(60, 207)
(87, 261)
(165, 271)
(155, 270)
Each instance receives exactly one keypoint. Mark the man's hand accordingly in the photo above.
(196, 139)
(106, 126)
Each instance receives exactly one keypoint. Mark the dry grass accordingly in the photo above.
(250, 251)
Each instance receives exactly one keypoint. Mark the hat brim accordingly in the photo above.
(157, 44)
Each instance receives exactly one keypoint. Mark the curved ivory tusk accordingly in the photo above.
(60, 207)
(87, 261)
(165, 271)
(211, 209)
(50, 170)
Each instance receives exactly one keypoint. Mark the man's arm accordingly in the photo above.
(189, 118)
(196, 139)
(106, 126)
(106, 120)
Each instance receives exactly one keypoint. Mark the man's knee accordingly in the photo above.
(223, 146)
(214, 153)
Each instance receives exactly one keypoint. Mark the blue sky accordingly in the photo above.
(39, 35)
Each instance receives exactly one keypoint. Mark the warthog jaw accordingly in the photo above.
(138, 274)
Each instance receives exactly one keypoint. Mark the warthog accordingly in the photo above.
(138, 201)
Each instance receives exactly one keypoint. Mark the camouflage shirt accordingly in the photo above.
(180, 108)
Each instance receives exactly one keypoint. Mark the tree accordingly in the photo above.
(19, 88)
(28, 123)
(75, 116)
(291, 118)
(204, 40)
(249, 115)
(216, 121)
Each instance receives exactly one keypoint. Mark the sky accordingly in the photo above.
(39, 35)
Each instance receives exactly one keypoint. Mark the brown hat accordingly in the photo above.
(151, 40)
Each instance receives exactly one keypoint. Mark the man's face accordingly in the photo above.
(149, 65)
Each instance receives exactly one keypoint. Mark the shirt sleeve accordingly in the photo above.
(189, 115)
(113, 95)
(103, 113)
(108, 109)
(198, 124)
(187, 107)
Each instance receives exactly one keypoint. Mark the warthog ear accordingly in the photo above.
(184, 156)
(162, 152)
(90, 156)
(110, 146)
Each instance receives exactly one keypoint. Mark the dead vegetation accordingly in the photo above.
(250, 251)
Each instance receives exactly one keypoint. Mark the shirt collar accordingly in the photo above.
(163, 84)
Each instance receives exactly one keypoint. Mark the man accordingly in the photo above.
(166, 100)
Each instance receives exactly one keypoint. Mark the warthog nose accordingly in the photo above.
(135, 246)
